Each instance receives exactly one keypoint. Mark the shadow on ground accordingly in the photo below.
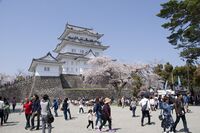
(12, 123)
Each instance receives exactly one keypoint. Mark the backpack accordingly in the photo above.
(144, 107)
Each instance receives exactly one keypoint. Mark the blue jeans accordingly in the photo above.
(56, 113)
(44, 123)
(65, 114)
(68, 110)
(133, 111)
(98, 119)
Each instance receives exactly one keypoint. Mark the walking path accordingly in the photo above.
(122, 122)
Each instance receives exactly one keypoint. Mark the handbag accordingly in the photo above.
(161, 117)
(50, 117)
(144, 107)
(130, 108)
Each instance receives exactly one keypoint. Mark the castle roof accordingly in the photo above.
(79, 42)
(76, 55)
(81, 30)
(47, 59)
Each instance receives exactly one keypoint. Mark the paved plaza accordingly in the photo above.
(121, 119)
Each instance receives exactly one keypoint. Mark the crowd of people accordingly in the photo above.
(40, 109)
(5, 104)
(166, 104)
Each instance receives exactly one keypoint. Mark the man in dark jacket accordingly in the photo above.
(36, 109)
(180, 113)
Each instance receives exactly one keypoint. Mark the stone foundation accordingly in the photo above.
(53, 86)
(48, 85)
(71, 81)
(91, 94)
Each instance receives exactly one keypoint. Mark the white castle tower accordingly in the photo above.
(77, 46)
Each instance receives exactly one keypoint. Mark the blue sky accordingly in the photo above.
(30, 28)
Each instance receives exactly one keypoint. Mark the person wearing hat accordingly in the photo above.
(106, 114)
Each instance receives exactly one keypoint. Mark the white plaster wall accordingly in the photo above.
(69, 47)
(82, 36)
(71, 66)
(54, 70)
(76, 68)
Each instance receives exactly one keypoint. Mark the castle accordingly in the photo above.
(77, 46)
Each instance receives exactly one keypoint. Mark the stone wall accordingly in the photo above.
(76, 81)
(43, 85)
(48, 85)
(90, 94)
(53, 86)
(71, 81)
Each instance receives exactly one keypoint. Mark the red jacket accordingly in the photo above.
(28, 107)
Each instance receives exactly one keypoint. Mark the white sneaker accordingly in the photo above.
(111, 131)
(96, 127)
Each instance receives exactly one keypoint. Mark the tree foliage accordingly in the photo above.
(105, 70)
(118, 75)
(188, 74)
(196, 79)
(137, 83)
(184, 24)
(165, 72)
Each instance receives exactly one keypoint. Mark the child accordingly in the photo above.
(90, 119)
(81, 106)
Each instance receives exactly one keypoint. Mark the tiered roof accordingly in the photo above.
(47, 59)
(81, 30)
(92, 43)
(79, 42)
(75, 55)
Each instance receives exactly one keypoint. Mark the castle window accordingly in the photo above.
(46, 69)
(72, 63)
(67, 69)
(82, 51)
(73, 50)
(76, 69)
(97, 53)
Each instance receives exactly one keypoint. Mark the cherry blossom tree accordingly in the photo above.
(6, 79)
(108, 71)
